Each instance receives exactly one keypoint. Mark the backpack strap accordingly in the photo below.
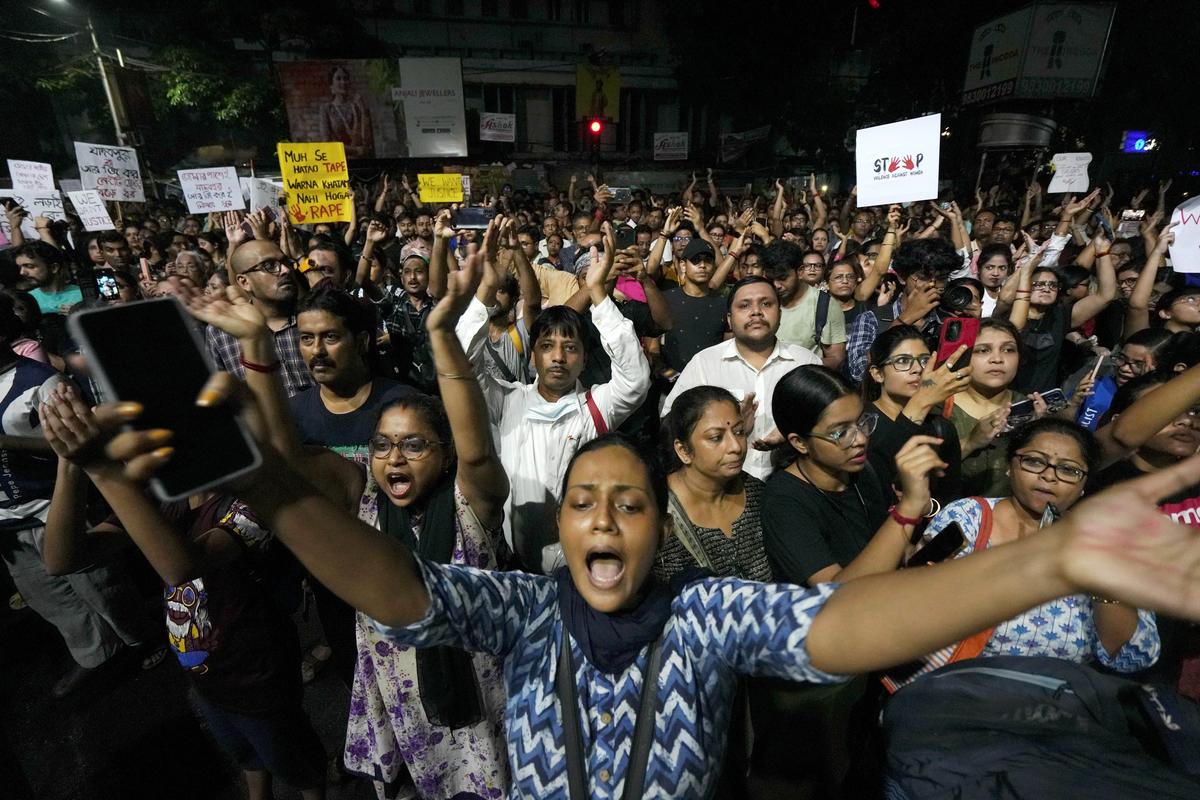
(515, 335)
(822, 314)
(972, 646)
(597, 417)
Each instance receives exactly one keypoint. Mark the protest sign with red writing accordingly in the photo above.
(111, 171)
(211, 189)
(317, 181)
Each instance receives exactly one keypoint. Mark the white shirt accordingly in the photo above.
(722, 365)
(536, 438)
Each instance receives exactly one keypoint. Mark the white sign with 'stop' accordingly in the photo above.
(33, 176)
(1070, 173)
(211, 189)
(1185, 250)
(89, 205)
(898, 163)
(497, 127)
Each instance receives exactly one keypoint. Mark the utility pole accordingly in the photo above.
(108, 89)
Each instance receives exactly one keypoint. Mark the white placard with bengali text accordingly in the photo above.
(89, 205)
(1070, 173)
(898, 162)
(1185, 250)
(36, 204)
(33, 176)
(211, 189)
(112, 171)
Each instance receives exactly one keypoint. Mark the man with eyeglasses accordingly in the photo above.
(269, 279)
(808, 317)
(924, 266)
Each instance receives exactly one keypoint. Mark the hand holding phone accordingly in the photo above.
(165, 372)
(948, 542)
(957, 332)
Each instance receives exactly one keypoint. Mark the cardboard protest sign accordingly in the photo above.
(261, 193)
(1185, 250)
(440, 187)
(111, 171)
(31, 175)
(898, 163)
(36, 204)
(211, 189)
(1070, 173)
(317, 180)
(89, 205)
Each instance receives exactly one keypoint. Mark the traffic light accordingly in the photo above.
(596, 126)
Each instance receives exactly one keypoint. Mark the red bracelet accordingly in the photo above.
(250, 365)
(894, 513)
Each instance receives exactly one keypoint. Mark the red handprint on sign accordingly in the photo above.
(893, 165)
(908, 163)
(296, 214)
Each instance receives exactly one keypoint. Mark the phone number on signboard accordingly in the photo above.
(993, 92)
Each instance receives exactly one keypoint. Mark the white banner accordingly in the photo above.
(31, 175)
(211, 189)
(1070, 173)
(1185, 250)
(431, 96)
(111, 171)
(1065, 49)
(898, 163)
(497, 127)
(89, 205)
(994, 63)
(261, 192)
(37, 204)
(671, 146)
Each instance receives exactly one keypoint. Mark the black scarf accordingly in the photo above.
(445, 675)
(611, 642)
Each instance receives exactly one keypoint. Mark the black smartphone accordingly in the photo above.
(472, 218)
(106, 283)
(948, 542)
(149, 352)
(1021, 413)
(626, 237)
(1104, 226)
(621, 194)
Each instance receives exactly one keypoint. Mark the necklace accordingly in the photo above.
(829, 498)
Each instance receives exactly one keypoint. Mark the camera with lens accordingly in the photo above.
(955, 300)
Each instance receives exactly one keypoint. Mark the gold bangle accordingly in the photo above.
(457, 376)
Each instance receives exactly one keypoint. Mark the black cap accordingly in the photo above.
(698, 247)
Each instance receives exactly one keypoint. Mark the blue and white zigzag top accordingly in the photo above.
(719, 628)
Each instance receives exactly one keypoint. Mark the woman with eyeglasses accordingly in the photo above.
(1048, 461)
(435, 484)
(826, 518)
(1136, 356)
(851, 526)
(907, 390)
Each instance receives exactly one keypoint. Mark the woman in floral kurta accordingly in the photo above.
(388, 726)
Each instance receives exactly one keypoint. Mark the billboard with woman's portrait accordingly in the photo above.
(345, 101)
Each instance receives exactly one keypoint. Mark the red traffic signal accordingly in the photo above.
(596, 127)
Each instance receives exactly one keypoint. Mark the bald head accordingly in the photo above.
(266, 274)
(254, 252)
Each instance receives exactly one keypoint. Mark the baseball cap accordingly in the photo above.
(698, 247)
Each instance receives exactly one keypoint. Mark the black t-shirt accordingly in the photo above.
(806, 530)
(345, 433)
(1042, 344)
(891, 435)
(699, 323)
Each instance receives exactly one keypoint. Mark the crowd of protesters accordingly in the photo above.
(670, 454)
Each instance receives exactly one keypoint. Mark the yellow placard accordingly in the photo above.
(317, 181)
(440, 187)
(598, 92)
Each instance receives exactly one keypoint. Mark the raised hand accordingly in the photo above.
(916, 459)
(442, 228)
(1074, 207)
(1166, 238)
(231, 312)
(1138, 198)
(671, 223)
(460, 288)
(941, 382)
(70, 428)
(376, 231)
(1118, 544)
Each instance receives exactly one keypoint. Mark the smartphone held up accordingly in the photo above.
(165, 373)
